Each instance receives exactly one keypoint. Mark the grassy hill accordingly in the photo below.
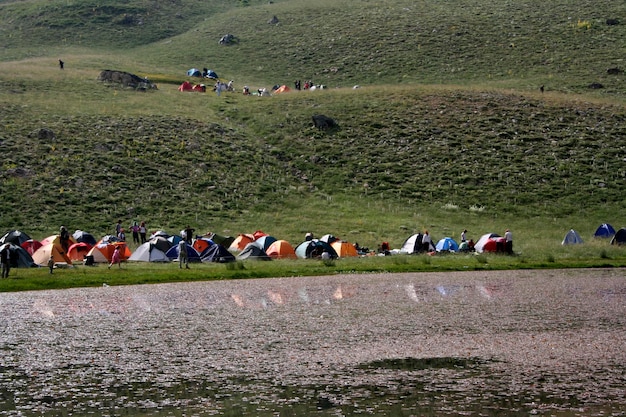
(448, 131)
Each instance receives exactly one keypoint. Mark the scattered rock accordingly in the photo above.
(612, 22)
(614, 71)
(323, 122)
(273, 20)
(596, 86)
(126, 79)
(43, 133)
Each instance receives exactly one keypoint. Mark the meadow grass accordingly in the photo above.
(448, 130)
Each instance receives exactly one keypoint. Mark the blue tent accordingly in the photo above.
(265, 242)
(572, 238)
(447, 244)
(604, 230)
(192, 253)
(314, 248)
(253, 251)
(217, 253)
(212, 74)
(194, 72)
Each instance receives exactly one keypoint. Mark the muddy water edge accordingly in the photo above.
(423, 344)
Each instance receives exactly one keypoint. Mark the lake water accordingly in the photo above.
(425, 344)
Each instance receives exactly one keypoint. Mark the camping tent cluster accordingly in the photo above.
(163, 247)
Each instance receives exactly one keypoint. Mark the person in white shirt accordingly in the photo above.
(508, 242)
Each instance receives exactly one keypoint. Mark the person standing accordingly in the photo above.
(426, 242)
(464, 235)
(183, 256)
(189, 234)
(508, 242)
(142, 232)
(64, 238)
(51, 263)
(135, 231)
(61, 64)
(116, 258)
(118, 227)
(5, 260)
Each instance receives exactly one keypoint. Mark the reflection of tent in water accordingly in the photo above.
(605, 230)
(572, 238)
(619, 238)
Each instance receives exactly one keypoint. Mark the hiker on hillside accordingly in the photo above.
(5, 260)
(61, 64)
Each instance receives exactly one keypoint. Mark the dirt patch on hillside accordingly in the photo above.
(514, 343)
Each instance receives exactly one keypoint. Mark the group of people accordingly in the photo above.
(307, 84)
(138, 231)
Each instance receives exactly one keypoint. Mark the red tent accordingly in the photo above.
(186, 86)
(31, 246)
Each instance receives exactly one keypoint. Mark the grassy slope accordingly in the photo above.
(235, 163)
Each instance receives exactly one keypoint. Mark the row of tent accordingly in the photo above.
(162, 247)
(604, 231)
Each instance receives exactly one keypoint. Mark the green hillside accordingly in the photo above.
(448, 130)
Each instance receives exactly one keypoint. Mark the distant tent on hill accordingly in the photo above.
(281, 249)
(194, 72)
(605, 230)
(413, 244)
(620, 237)
(212, 74)
(447, 244)
(282, 89)
(148, 252)
(572, 238)
(186, 86)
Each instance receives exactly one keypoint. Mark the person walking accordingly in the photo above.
(51, 263)
(5, 260)
(189, 234)
(116, 258)
(183, 256)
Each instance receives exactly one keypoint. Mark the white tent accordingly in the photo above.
(572, 238)
(412, 244)
(148, 252)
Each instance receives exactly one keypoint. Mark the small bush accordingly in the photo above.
(235, 266)
(550, 258)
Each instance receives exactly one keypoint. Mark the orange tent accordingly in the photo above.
(103, 252)
(281, 249)
(282, 89)
(241, 241)
(344, 249)
(201, 244)
(43, 254)
(78, 251)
